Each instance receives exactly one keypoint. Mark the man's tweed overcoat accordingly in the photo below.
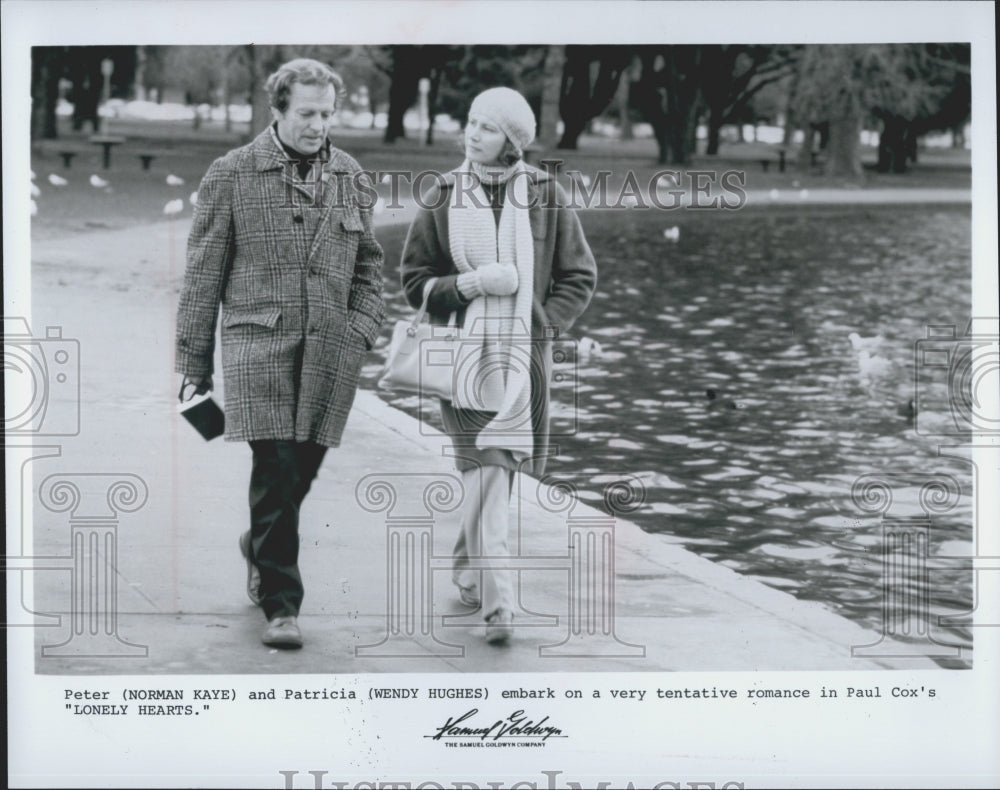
(300, 284)
(565, 276)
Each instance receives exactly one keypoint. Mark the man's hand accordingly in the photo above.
(201, 384)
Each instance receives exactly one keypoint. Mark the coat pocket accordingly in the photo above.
(351, 222)
(266, 318)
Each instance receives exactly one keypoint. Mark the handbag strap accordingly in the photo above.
(412, 330)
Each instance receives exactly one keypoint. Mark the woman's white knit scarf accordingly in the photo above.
(494, 364)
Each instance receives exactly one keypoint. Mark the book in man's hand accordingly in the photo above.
(205, 415)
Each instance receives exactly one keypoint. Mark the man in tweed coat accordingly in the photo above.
(280, 242)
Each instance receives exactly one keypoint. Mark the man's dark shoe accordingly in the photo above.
(283, 631)
(253, 572)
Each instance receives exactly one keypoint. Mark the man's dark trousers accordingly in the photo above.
(282, 474)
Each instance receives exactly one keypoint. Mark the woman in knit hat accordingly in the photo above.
(495, 244)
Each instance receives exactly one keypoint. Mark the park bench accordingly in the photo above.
(67, 157)
(766, 161)
(146, 160)
(107, 142)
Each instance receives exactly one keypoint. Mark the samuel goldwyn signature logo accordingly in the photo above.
(516, 725)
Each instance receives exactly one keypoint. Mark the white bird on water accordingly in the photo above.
(859, 343)
(672, 234)
(57, 181)
(175, 181)
(97, 182)
(35, 191)
(587, 348)
(193, 200)
(872, 367)
(174, 207)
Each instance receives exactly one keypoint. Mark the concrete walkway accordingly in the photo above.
(374, 555)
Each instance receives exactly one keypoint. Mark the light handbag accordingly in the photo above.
(422, 356)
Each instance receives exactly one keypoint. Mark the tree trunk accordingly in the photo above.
(958, 136)
(263, 61)
(432, 102)
(572, 129)
(682, 102)
(406, 74)
(46, 67)
(552, 74)
(910, 146)
(843, 158)
(574, 93)
(621, 100)
(663, 144)
(139, 84)
(791, 111)
(892, 146)
(399, 102)
(714, 126)
(87, 83)
(590, 79)
(648, 97)
(226, 98)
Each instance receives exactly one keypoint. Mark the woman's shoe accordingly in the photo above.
(499, 626)
(469, 595)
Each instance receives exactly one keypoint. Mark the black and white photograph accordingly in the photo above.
(501, 395)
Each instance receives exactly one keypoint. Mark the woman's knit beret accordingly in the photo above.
(510, 111)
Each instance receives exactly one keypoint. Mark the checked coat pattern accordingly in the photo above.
(297, 273)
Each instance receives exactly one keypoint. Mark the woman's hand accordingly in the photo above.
(494, 279)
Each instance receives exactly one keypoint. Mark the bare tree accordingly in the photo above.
(899, 84)
(733, 75)
(590, 79)
(668, 93)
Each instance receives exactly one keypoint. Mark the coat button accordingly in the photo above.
(314, 270)
(299, 219)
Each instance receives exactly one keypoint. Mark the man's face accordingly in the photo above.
(304, 125)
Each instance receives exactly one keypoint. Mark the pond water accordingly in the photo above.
(717, 373)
